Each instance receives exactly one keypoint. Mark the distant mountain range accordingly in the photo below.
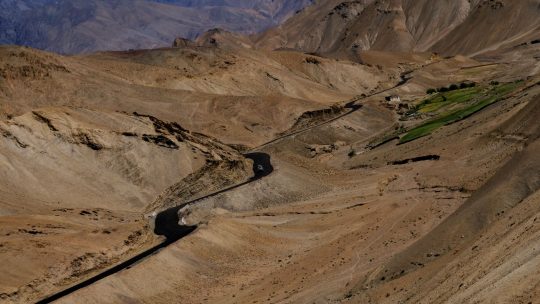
(465, 27)
(80, 26)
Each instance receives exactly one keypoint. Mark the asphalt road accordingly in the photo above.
(167, 224)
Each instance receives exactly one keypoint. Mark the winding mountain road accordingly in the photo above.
(167, 222)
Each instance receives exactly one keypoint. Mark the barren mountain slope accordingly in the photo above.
(275, 10)
(397, 176)
(92, 144)
(493, 234)
(199, 87)
(448, 27)
(75, 185)
(351, 217)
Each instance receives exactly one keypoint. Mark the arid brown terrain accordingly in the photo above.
(406, 161)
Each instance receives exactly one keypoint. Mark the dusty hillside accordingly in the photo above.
(92, 144)
(351, 215)
(111, 146)
(199, 87)
(395, 176)
(447, 27)
(83, 179)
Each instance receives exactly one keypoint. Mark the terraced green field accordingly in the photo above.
(442, 100)
(460, 104)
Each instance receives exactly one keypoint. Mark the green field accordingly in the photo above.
(468, 101)
(441, 100)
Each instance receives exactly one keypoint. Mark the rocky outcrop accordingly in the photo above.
(182, 42)
(215, 175)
